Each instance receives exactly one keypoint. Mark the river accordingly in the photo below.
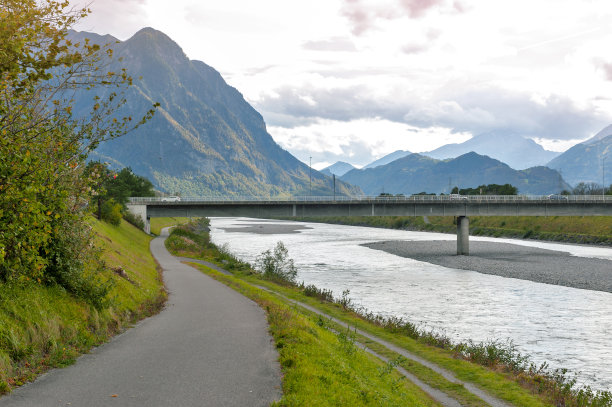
(565, 327)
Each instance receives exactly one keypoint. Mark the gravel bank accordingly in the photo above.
(509, 260)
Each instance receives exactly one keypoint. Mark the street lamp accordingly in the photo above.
(603, 178)
(310, 175)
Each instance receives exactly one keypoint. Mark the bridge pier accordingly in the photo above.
(463, 236)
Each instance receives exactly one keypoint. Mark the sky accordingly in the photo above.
(354, 80)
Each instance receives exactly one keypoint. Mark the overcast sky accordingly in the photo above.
(354, 80)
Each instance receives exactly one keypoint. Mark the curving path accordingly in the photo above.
(208, 347)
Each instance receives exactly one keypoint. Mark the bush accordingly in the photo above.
(276, 265)
(134, 220)
(111, 212)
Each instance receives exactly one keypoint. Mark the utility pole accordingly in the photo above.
(334, 177)
(603, 177)
(310, 174)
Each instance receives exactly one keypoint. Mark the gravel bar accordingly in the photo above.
(509, 260)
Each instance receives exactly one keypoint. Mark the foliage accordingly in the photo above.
(43, 146)
(44, 326)
(276, 265)
(490, 189)
(108, 184)
(111, 212)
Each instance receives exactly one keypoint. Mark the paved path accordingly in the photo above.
(208, 347)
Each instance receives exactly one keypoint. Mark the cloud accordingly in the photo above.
(363, 14)
(358, 141)
(460, 108)
(332, 44)
(608, 71)
(105, 19)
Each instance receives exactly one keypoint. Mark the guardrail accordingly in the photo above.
(378, 199)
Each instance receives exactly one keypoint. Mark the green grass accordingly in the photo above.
(157, 224)
(501, 385)
(44, 326)
(574, 229)
(321, 367)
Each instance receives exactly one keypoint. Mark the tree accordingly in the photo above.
(43, 146)
(277, 265)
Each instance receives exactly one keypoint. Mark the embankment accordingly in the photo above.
(43, 326)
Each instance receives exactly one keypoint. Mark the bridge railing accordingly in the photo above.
(380, 199)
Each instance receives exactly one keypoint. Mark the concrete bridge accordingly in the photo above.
(461, 207)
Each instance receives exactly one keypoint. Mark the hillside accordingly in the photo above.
(518, 152)
(416, 173)
(205, 138)
(585, 162)
(44, 326)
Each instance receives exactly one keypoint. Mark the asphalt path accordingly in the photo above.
(208, 347)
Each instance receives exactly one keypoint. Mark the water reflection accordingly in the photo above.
(564, 326)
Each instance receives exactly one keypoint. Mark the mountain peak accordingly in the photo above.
(606, 132)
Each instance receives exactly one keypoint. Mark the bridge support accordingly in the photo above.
(463, 236)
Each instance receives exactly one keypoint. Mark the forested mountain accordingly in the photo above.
(587, 161)
(205, 138)
(416, 173)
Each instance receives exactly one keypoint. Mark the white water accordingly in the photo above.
(566, 327)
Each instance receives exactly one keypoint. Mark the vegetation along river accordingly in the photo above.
(565, 326)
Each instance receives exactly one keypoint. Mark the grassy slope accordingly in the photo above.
(157, 224)
(576, 229)
(502, 385)
(43, 327)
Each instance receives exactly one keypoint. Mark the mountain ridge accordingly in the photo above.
(205, 137)
(417, 173)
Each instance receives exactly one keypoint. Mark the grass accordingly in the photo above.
(157, 224)
(501, 374)
(573, 229)
(322, 367)
(44, 326)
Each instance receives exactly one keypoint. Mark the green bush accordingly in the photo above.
(111, 212)
(134, 220)
(276, 265)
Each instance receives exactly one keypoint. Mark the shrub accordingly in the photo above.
(134, 220)
(111, 212)
(276, 265)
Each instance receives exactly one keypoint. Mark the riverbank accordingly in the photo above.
(569, 229)
(509, 260)
(42, 326)
(501, 378)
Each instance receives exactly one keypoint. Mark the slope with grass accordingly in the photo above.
(44, 326)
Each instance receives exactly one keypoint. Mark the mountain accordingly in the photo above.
(205, 139)
(585, 162)
(518, 152)
(388, 158)
(340, 168)
(416, 173)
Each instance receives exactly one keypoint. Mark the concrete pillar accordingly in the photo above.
(463, 236)
(147, 228)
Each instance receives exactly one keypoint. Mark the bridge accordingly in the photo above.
(461, 207)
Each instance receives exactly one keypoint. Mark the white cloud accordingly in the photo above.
(359, 141)
(536, 68)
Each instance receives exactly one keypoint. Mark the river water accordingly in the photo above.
(565, 327)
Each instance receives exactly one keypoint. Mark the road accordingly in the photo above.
(208, 347)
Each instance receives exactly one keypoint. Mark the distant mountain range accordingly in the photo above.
(205, 138)
(340, 168)
(587, 161)
(417, 173)
(518, 152)
(388, 158)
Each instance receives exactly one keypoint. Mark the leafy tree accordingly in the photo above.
(276, 265)
(43, 146)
